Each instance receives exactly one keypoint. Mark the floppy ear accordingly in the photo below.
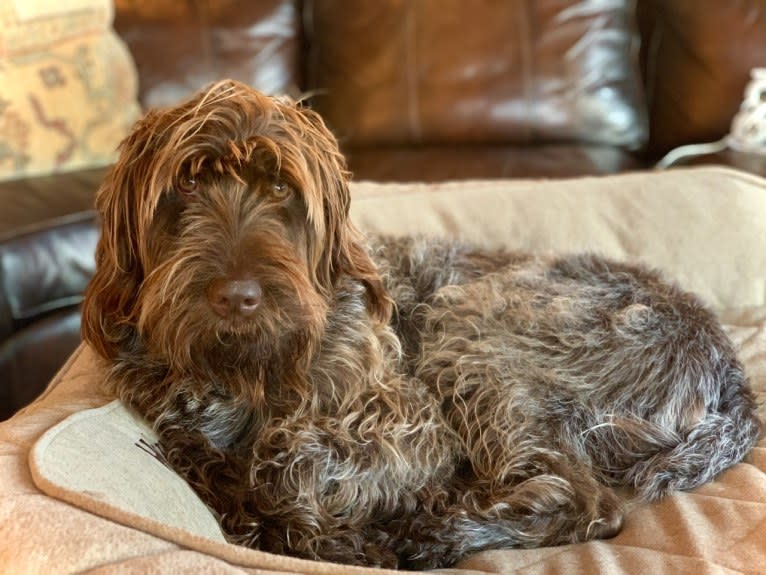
(109, 305)
(343, 252)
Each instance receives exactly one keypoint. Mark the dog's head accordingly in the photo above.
(225, 219)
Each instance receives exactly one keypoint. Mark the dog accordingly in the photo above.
(400, 402)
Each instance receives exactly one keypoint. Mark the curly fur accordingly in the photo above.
(403, 402)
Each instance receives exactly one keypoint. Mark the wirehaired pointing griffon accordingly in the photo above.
(399, 402)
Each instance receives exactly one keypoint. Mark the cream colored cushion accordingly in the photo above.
(704, 227)
(81, 490)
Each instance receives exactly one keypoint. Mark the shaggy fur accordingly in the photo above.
(405, 402)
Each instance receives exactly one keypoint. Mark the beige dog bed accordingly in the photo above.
(82, 490)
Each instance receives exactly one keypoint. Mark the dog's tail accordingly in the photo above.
(659, 459)
(716, 443)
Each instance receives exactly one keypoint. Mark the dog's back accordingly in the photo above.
(606, 362)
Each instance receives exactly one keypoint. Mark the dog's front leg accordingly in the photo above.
(314, 490)
(200, 446)
(219, 477)
(322, 488)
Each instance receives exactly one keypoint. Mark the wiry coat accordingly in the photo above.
(402, 402)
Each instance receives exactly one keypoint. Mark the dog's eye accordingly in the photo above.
(281, 190)
(188, 185)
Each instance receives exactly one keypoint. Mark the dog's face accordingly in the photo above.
(224, 231)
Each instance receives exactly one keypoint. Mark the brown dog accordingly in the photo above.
(401, 403)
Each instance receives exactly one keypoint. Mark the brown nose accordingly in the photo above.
(234, 298)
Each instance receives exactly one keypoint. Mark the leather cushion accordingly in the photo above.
(33, 201)
(431, 163)
(31, 357)
(455, 71)
(45, 269)
(698, 57)
(180, 47)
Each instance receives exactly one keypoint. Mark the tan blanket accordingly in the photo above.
(81, 490)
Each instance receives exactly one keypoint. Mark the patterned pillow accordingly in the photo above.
(67, 86)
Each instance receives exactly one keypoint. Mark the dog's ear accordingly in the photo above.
(341, 250)
(109, 302)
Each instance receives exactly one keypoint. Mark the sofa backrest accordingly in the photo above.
(458, 71)
(696, 58)
(436, 71)
(180, 47)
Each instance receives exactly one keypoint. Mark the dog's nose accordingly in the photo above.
(234, 297)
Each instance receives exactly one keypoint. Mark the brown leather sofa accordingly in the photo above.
(420, 90)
